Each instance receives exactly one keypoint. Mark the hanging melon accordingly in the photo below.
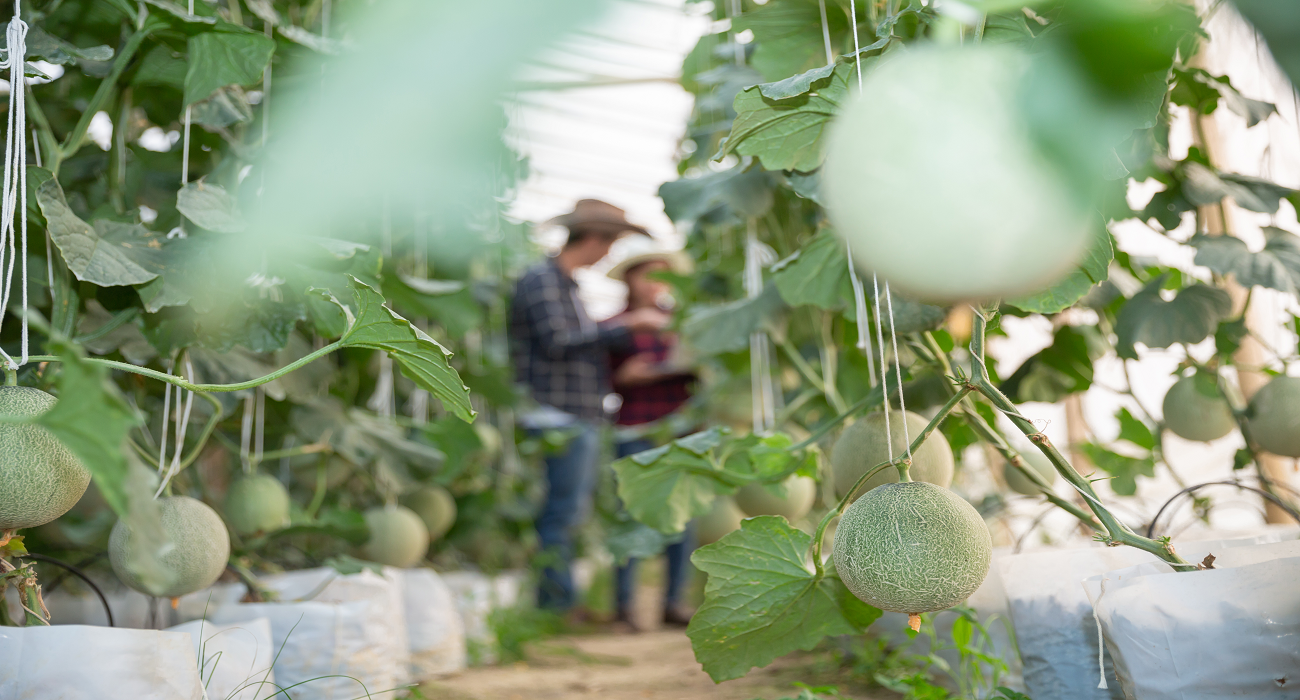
(40, 478)
(436, 508)
(1020, 483)
(1195, 410)
(757, 499)
(200, 548)
(397, 536)
(912, 547)
(862, 447)
(724, 517)
(257, 504)
(1274, 420)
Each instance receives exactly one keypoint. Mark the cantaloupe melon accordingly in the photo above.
(436, 508)
(40, 478)
(933, 177)
(257, 504)
(723, 518)
(756, 499)
(912, 547)
(199, 552)
(397, 536)
(1195, 410)
(861, 447)
(1274, 421)
(1022, 484)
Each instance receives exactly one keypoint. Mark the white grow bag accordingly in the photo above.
(434, 629)
(1230, 632)
(1053, 618)
(79, 662)
(351, 632)
(234, 660)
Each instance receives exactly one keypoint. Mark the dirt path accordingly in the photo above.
(657, 665)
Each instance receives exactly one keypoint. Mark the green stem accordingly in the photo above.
(322, 469)
(1115, 532)
(103, 94)
(870, 400)
(802, 365)
(314, 448)
(11, 376)
(203, 388)
(117, 321)
(830, 363)
(33, 606)
(44, 133)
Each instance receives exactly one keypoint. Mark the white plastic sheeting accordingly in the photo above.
(434, 630)
(234, 660)
(78, 662)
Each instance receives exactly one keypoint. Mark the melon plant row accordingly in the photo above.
(975, 162)
(294, 389)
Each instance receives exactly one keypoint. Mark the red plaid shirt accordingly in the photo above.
(644, 403)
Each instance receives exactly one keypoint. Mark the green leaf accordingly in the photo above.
(796, 85)
(1277, 266)
(817, 273)
(1191, 317)
(209, 206)
(180, 13)
(763, 600)
(51, 49)
(1202, 186)
(788, 35)
(1134, 430)
(1196, 88)
(1123, 468)
(1061, 369)
(161, 66)
(787, 134)
(668, 486)
(421, 358)
(108, 254)
(909, 316)
(1092, 269)
(727, 327)
(735, 192)
(225, 107)
(631, 539)
(218, 59)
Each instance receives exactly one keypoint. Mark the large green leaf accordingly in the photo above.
(727, 327)
(796, 85)
(51, 49)
(738, 192)
(763, 600)
(1276, 266)
(816, 274)
(787, 134)
(1092, 269)
(1192, 316)
(421, 358)
(209, 206)
(788, 34)
(1123, 469)
(218, 59)
(1197, 89)
(108, 254)
(908, 316)
(1202, 185)
(668, 486)
(1061, 369)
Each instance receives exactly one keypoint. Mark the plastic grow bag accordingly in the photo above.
(1228, 632)
(80, 662)
(234, 660)
(435, 632)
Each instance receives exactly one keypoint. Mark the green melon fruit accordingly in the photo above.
(40, 478)
(861, 447)
(1195, 410)
(723, 518)
(435, 507)
(912, 547)
(1020, 483)
(490, 438)
(398, 536)
(1275, 417)
(199, 552)
(257, 504)
(756, 499)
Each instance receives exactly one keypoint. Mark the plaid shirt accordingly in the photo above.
(560, 354)
(644, 403)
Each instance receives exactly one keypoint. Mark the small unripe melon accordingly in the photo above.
(1274, 420)
(946, 125)
(1195, 410)
(435, 507)
(1020, 483)
(397, 536)
(199, 552)
(861, 448)
(40, 478)
(722, 519)
(912, 547)
(756, 499)
(257, 504)
(490, 438)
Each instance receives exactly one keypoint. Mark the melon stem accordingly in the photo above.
(11, 376)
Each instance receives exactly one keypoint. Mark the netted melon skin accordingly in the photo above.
(912, 547)
(1191, 415)
(436, 508)
(257, 504)
(1275, 417)
(862, 447)
(397, 537)
(199, 553)
(40, 478)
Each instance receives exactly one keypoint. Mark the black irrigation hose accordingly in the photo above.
(51, 586)
(1192, 489)
(79, 574)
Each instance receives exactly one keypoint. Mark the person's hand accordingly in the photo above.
(637, 369)
(647, 319)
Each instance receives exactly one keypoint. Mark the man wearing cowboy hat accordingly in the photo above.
(561, 358)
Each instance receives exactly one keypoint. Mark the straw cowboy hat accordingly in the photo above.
(638, 250)
(595, 215)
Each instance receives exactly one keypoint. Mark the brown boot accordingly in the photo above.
(677, 615)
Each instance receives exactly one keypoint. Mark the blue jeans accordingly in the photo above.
(677, 554)
(570, 478)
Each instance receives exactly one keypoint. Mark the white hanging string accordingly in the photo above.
(1101, 655)
(266, 95)
(383, 401)
(826, 33)
(166, 416)
(884, 366)
(739, 49)
(15, 175)
(182, 424)
(898, 369)
(760, 360)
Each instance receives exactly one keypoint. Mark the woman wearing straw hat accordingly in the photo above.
(653, 384)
